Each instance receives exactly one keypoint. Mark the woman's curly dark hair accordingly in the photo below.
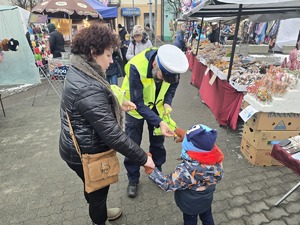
(97, 37)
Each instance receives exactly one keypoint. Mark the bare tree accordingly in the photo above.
(25, 4)
(175, 5)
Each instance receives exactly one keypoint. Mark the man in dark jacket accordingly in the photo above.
(122, 32)
(180, 38)
(214, 36)
(56, 40)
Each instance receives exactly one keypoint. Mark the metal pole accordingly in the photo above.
(287, 194)
(150, 13)
(133, 16)
(234, 40)
(200, 34)
(155, 24)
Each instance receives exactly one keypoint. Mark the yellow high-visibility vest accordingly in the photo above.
(149, 88)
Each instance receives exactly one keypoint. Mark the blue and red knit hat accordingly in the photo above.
(199, 138)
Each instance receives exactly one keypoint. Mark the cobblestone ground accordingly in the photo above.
(38, 188)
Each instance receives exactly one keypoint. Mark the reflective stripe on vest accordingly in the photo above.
(149, 88)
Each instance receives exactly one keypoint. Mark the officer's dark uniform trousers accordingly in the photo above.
(134, 129)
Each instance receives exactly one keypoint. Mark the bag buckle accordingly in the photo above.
(105, 168)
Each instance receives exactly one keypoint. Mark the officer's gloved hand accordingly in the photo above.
(179, 135)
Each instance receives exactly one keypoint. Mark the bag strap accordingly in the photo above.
(73, 136)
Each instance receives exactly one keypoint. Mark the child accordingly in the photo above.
(125, 44)
(195, 178)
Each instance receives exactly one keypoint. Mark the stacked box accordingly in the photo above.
(275, 121)
(263, 130)
(257, 157)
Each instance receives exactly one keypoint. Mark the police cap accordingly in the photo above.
(172, 62)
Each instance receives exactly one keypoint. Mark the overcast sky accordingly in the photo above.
(5, 2)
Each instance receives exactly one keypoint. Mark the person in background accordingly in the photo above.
(124, 48)
(150, 83)
(28, 39)
(139, 42)
(298, 42)
(150, 33)
(180, 38)
(122, 32)
(95, 113)
(214, 36)
(56, 41)
(112, 72)
(194, 179)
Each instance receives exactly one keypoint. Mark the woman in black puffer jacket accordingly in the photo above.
(94, 112)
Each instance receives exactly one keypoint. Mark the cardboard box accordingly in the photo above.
(238, 87)
(262, 49)
(257, 157)
(274, 121)
(219, 73)
(263, 139)
(286, 49)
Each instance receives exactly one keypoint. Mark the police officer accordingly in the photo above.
(151, 80)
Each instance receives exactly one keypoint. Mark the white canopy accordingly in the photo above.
(254, 1)
(18, 67)
(268, 8)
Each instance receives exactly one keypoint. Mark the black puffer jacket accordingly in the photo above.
(57, 43)
(89, 106)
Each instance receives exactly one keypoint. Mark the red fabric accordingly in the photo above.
(222, 99)
(191, 57)
(210, 158)
(285, 158)
(197, 73)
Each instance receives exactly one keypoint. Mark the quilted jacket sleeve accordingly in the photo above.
(95, 106)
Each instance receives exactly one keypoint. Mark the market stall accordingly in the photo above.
(66, 11)
(211, 84)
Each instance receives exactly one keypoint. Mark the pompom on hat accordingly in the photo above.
(137, 30)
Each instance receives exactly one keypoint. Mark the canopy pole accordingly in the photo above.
(70, 29)
(199, 35)
(237, 26)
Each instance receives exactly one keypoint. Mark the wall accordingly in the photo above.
(144, 8)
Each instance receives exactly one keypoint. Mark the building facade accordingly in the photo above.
(139, 12)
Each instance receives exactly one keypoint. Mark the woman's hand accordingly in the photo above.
(128, 105)
(149, 165)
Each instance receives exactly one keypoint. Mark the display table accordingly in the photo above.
(55, 74)
(197, 73)
(191, 57)
(223, 100)
(285, 158)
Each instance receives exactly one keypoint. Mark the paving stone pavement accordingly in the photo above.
(38, 188)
